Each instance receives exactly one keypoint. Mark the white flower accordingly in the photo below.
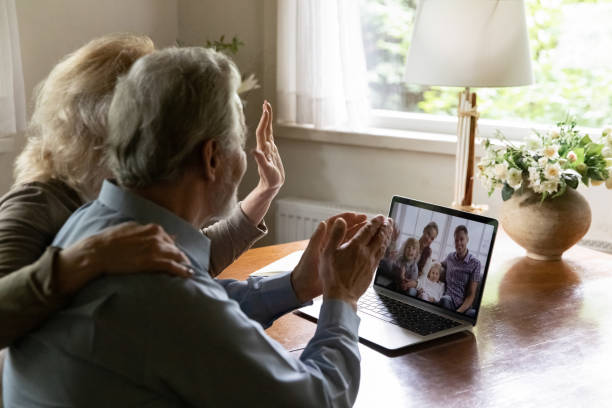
(534, 177)
(491, 154)
(488, 183)
(607, 132)
(551, 151)
(552, 171)
(572, 157)
(554, 134)
(533, 142)
(515, 177)
(606, 151)
(550, 186)
(481, 166)
(501, 171)
(542, 161)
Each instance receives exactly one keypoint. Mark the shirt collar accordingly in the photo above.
(466, 259)
(189, 239)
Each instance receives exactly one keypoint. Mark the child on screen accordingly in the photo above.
(429, 287)
(408, 266)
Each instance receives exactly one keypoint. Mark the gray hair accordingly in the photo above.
(163, 110)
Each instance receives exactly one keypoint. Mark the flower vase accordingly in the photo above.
(546, 228)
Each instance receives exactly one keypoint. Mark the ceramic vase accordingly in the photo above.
(546, 229)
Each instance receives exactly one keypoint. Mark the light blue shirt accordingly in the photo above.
(160, 341)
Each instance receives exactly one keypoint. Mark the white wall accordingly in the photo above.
(48, 30)
(201, 20)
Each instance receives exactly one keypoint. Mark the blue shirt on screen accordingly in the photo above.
(160, 341)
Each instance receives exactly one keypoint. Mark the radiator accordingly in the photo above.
(296, 219)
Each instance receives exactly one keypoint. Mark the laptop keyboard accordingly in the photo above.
(404, 315)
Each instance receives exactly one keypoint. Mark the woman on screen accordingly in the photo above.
(430, 232)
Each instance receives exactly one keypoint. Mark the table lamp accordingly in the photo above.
(469, 43)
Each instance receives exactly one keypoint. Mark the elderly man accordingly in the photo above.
(462, 271)
(176, 143)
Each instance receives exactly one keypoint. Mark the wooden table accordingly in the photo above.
(543, 338)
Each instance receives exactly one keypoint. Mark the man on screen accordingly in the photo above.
(462, 271)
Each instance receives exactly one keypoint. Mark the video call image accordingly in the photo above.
(435, 257)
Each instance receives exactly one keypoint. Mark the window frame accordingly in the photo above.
(440, 124)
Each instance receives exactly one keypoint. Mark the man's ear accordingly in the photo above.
(210, 159)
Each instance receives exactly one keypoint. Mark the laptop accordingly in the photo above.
(436, 292)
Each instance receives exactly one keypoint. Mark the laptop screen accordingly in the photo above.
(439, 256)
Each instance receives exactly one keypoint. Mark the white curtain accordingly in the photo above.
(12, 95)
(321, 70)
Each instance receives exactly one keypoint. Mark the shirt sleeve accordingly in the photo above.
(226, 359)
(263, 299)
(28, 297)
(414, 271)
(420, 282)
(29, 218)
(476, 271)
(230, 237)
(439, 291)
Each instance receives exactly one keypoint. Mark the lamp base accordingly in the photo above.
(472, 208)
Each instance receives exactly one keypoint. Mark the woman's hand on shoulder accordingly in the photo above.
(122, 249)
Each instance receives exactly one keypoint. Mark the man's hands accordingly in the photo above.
(269, 166)
(305, 277)
(121, 249)
(269, 163)
(347, 268)
(341, 257)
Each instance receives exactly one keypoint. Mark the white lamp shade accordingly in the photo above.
(470, 43)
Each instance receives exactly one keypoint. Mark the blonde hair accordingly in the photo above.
(410, 243)
(68, 129)
(437, 265)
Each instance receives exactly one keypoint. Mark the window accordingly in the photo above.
(571, 61)
(12, 95)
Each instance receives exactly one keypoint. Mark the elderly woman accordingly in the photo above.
(63, 166)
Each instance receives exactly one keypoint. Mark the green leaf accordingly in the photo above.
(585, 140)
(594, 148)
(562, 190)
(571, 178)
(585, 180)
(507, 192)
(580, 155)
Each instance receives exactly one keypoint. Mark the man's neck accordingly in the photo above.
(178, 198)
(461, 257)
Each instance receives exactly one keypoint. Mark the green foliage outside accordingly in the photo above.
(558, 91)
